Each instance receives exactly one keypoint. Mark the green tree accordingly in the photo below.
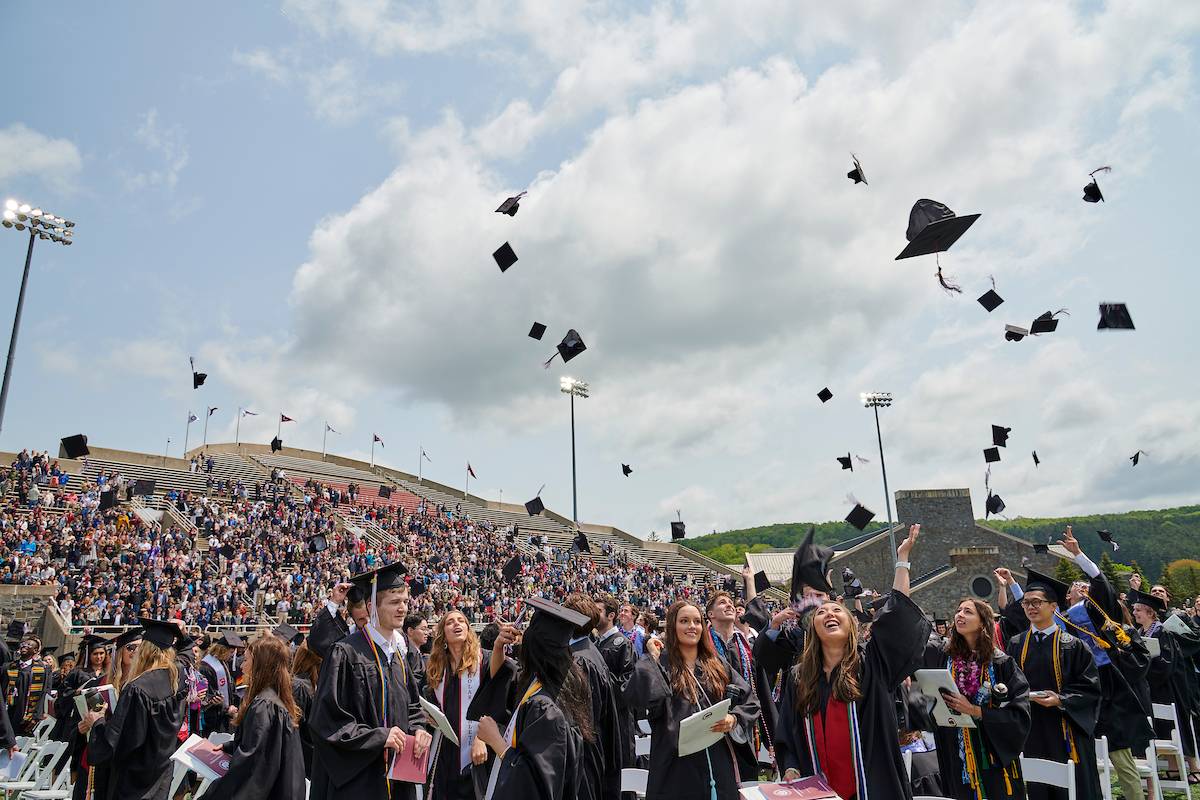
(1185, 575)
(1136, 569)
(1165, 581)
(1109, 568)
(1066, 571)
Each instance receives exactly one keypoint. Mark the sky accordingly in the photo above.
(301, 195)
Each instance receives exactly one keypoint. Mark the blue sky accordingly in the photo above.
(300, 194)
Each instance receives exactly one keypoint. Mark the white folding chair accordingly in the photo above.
(1169, 750)
(641, 746)
(59, 788)
(1104, 765)
(1050, 773)
(906, 756)
(634, 780)
(643, 727)
(42, 729)
(44, 767)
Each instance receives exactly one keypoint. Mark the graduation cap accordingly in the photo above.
(860, 516)
(825, 395)
(1134, 458)
(416, 587)
(230, 639)
(626, 470)
(1015, 333)
(318, 543)
(288, 633)
(571, 346)
(1114, 317)
(512, 570)
(1036, 461)
(537, 331)
(933, 228)
(389, 576)
(580, 544)
(75, 446)
(761, 583)
(505, 257)
(143, 486)
(1046, 323)
(160, 633)
(49, 651)
(994, 505)
(385, 491)
(1041, 548)
(276, 444)
(198, 378)
(990, 300)
(536, 541)
(535, 506)
(511, 206)
(128, 637)
(729, 585)
(846, 461)
(857, 174)
(108, 499)
(991, 454)
(1054, 590)
(1000, 435)
(1108, 537)
(553, 623)
(1091, 192)
(678, 530)
(810, 566)
(1135, 597)
(91, 642)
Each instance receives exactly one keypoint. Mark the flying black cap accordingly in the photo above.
(1091, 192)
(198, 379)
(1054, 589)
(1014, 333)
(1107, 536)
(571, 346)
(162, 634)
(581, 545)
(512, 570)
(535, 506)
(857, 174)
(933, 228)
(1041, 548)
(385, 491)
(994, 505)
(1000, 435)
(860, 516)
(761, 583)
(991, 454)
(288, 633)
(416, 586)
(75, 446)
(825, 395)
(990, 300)
(318, 543)
(678, 530)
(1046, 323)
(846, 462)
(389, 576)
(626, 470)
(511, 206)
(505, 257)
(276, 444)
(810, 565)
(1036, 461)
(537, 331)
(1114, 316)
(1135, 597)
(1134, 458)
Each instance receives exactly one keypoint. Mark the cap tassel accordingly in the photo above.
(951, 288)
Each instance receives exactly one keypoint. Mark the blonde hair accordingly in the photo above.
(149, 657)
(116, 674)
(439, 658)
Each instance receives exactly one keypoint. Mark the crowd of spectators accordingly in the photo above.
(269, 552)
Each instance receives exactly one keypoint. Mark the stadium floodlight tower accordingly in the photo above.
(877, 400)
(41, 224)
(575, 388)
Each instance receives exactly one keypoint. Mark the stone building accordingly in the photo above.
(953, 559)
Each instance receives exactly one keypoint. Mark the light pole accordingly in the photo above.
(575, 388)
(41, 225)
(876, 400)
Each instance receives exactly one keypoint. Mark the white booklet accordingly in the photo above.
(1153, 646)
(1177, 626)
(932, 682)
(695, 732)
(10, 768)
(439, 719)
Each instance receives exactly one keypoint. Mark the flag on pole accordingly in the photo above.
(248, 413)
(377, 439)
(285, 418)
(425, 456)
(211, 410)
(470, 471)
(191, 418)
(330, 429)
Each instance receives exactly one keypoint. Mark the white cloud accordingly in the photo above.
(165, 145)
(263, 62)
(336, 91)
(26, 152)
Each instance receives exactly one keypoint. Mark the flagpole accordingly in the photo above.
(467, 484)
(207, 413)
(372, 451)
(237, 432)
(420, 461)
(186, 431)
(279, 427)
(168, 448)
(324, 436)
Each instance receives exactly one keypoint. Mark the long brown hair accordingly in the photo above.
(985, 645)
(812, 665)
(439, 656)
(712, 667)
(269, 658)
(306, 664)
(150, 656)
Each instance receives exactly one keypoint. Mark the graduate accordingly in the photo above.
(542, 703)
(617, 652)
(220, 703)
(26, 681)
(1064, 689)
(602, 765)
(837, 710)
(137, 741)
(90, 674)
(328, 627)
(733, 646)
(366, 703)
(306, 670)
(982, 762)
(675, 679)
(265, 758)
(458, 668)
(91, 780)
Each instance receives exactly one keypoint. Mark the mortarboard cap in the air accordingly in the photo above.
(846, 462)
(1135, 597)
(761, 582)
(288, 633)
(571, 346)
(990, 300)
(511, 205)
(1091, 192)
(825, 395)
(535, 506)
(1114, 317)
(858, 175)
(75, 446)
(1000, 435)
(860, 516)
(276, 444)
(389, 576)
(1038, 547)
(1107, 536)
(994, 504)
(678, 530)
(198, 379)
(810, 566)
(160, 633)
(1046, 323)
(318, 543)
(1015, 333)
(505, 256)
(626, 470)
(416, 587)
(933, 228)
(1134, 458)
(1036, 461)
(1053, 589)
(580, 544)
(385, 491)
(991, 454)
(537, 331)
(512, 569)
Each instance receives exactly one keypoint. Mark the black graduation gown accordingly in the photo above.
(347, 726)
(135, 744)
(24, 690)
(602, 756)
(747, 750)
(265, 758)
(545, 762)
(302, 694)
(617, 653)
(759, 618)
(1170, 683)
(326, 631)
(447, 781)
(1081, 697)
(898, 639)
(66, 714)
(689, 776)
(1001, 731)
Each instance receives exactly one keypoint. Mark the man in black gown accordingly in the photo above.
(617, 652)
(1064, 688)
(25, 683)
(367, 703)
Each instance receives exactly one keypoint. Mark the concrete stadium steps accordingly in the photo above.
(367, 497)
(225, 466)
(321, 470)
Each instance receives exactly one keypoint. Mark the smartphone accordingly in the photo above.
(1039, 693)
